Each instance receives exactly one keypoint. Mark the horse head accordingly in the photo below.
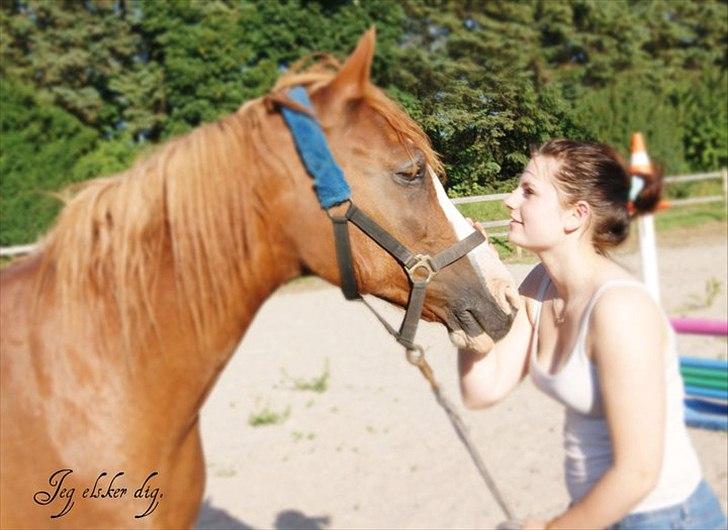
(393, 175)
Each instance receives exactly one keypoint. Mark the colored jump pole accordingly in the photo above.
(700, 326)
(650, 273)
(639, 164)
(706, 364)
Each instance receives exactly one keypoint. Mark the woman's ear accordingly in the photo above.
(577, 216)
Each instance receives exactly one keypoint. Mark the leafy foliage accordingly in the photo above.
(39, 144)
(86, 85)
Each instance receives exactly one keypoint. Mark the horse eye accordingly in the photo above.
(413, 174)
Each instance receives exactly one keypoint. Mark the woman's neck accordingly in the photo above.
(571, 268)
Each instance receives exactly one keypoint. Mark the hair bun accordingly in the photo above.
(645, 191)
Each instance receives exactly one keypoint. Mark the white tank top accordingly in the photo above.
(588, 450)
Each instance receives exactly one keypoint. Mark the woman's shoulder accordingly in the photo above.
(627, 327)
(616, 287)
(613, 285)
(624, 310)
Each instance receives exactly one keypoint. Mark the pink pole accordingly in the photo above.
(700, 326)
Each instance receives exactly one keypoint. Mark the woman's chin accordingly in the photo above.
(480, 345)
(514, 239)
(517, 240)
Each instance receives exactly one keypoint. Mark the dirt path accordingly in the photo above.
(374, 450)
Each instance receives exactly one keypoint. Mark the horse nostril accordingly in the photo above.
(470, 322)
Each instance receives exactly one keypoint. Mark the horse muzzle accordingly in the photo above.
(478, 318)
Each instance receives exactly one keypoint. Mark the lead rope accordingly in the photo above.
(332, 190)
(416, 357)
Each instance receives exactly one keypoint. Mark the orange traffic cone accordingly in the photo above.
(639, 162)
(640, 165)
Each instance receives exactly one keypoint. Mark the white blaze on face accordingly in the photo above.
(485, 261)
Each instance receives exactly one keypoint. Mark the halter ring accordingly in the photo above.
(422, 262)
(338, 207)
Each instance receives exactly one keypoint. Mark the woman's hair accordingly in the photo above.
(595, 173)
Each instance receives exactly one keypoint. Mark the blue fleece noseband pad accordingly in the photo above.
(331, 186)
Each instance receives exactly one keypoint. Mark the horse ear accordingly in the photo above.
(352, 79)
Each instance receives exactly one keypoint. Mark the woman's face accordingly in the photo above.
(537, 216)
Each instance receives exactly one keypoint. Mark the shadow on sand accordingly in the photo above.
(212, 518)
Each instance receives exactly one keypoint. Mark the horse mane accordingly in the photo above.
(194, 204)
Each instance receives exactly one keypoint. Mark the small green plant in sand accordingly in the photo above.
(298, 436)
(318, 384)
(226, 472)
(268, 416)
(713, 287)
(222, 470)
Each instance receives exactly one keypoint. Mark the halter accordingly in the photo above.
(332, 191)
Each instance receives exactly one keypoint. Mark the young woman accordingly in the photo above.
(593, 338)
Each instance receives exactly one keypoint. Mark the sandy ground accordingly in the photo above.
(374, 450)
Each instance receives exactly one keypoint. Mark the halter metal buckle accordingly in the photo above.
(422, 263)
(339, 212)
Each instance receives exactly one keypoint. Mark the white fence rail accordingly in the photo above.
(722, 174)
(16, 250)
(480, 198)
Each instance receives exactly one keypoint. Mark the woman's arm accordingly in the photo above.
(486, 380)
(628, 341)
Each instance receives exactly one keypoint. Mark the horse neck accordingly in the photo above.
(238, 275)
(185, 363)
(173, 292)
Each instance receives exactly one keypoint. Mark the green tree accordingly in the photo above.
(39, 144)
(705, 133)
(71, 51)
(485, 79)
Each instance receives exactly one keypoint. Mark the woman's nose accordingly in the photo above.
(510, 201)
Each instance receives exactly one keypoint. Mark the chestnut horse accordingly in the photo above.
(115, 330)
